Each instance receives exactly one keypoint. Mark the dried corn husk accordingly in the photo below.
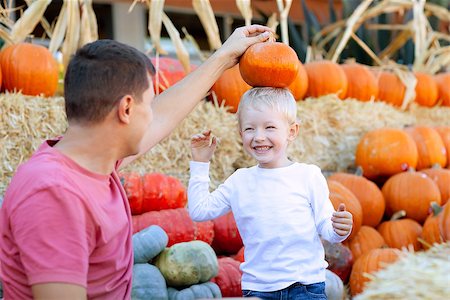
(60, 30)
(330, 130)
(208, 20)
(420, 275)
(284, 8)
(155, 19)
(245, 8)
(30, 18)
(180, 49)
(86, 34)
(70, 44)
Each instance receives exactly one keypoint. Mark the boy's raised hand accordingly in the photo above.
(342, 221)
(203, 146)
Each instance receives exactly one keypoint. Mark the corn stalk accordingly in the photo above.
(208, 20)
(180, 49)
(28, 21)
(284, 8)
(72, 36)
(245, 8)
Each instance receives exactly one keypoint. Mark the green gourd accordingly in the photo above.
(148, 243)
(187, 263)
(148, 283)
(207, 290)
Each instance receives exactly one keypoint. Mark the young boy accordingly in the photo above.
(281, 207)
(65, 230)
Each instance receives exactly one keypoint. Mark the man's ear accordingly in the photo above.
(124, 108)
(293, 131)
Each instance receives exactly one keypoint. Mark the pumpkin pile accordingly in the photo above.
(261, 65)
(398, 197)
(174, 256)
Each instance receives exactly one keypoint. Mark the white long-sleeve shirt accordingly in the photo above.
(280, 214)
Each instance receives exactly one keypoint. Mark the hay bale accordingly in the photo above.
(330, 130)
(419, 275)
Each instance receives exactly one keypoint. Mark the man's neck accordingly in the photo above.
(93, 148)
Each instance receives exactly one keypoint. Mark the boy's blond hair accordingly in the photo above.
(277, 99)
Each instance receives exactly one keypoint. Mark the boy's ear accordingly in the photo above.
(124, 108)
(293, 131)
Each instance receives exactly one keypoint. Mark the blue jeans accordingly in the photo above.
(296, 291)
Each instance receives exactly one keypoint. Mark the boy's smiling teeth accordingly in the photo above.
(262, 148)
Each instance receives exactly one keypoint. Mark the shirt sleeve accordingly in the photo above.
(323, 208)
(203, 205)
(55, 235)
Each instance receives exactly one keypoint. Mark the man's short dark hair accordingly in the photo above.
(100, 74)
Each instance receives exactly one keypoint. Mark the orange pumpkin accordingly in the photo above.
(29, 68)
(269, 64)
(153, 192)
(444, 222)
(442, 178)
(443, 82)
(340, 194)
(367, 193)
(230, 87)
(370, 262)
(362, 84)
(326, 77)
(426, 90)
(412, 192)
(168, 72)
(385, 152)
(300, 84)
(444, 132)
(366, 239)
(430, 146)
(399, 233)
(430, 231)
(390, 89)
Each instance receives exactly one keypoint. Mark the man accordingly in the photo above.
(65, 221)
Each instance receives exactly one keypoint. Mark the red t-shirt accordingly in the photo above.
(62, 223)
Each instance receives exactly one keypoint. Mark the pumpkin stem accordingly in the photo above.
(411, 169)
(435, 208)
(359, 171)
(398, 215)
(436, 166)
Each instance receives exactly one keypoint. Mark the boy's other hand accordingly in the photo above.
(342, 221)
(203, 146)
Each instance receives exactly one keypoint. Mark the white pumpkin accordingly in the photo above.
(334, 287)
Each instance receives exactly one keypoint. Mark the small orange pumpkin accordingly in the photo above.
(385, 152)
(340, 194)
(370, 262)
(412, 192)
(300, 84)
(366, 239)
(399, 233)
(391, 89)
(430, 146)
(444, 132)
(362, 84)
(29, 68)
(430, 230)
(326, 77)
(442, 178)
(272, 64)
(444, 222)
(426, 89)
(368, 194)
(230, 87)
(443, 82)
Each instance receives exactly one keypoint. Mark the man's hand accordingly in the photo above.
(203, 146)
(241, 39)
(342, 221)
